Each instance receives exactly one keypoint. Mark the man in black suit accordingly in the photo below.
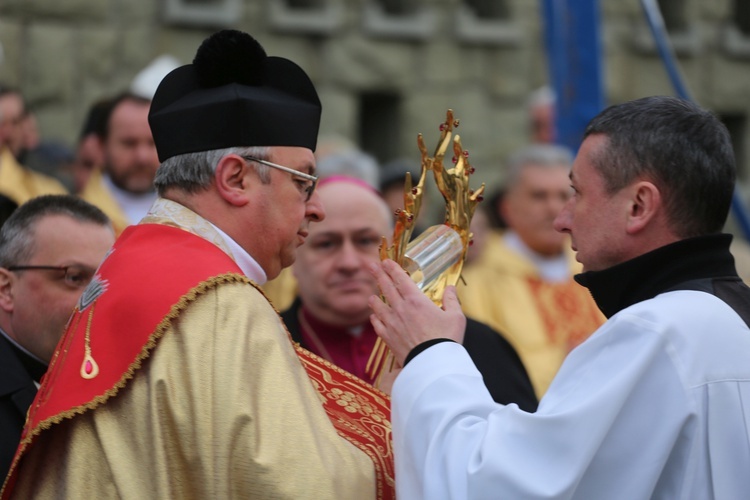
(50, 248)
(330, 317)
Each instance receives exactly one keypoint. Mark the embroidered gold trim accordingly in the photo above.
(353, 414)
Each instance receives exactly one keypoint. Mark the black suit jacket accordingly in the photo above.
(497, 361)
(17, 391)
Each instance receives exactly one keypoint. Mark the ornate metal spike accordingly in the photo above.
(460, 203)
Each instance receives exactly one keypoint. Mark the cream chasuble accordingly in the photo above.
(217, 404)
(96, 193)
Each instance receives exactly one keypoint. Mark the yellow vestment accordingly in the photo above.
(543, 320)
(221, 406)
(96, 193)
(20, 184)
(282, 290)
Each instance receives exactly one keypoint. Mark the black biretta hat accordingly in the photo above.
(233, 95)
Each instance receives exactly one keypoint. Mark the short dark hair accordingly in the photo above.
(96, 119)
(683, 149)
(6, 89)
(108, 108)
(17, 233)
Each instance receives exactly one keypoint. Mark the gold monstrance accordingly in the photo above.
(460, 203)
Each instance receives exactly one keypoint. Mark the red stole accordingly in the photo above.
(92, 362)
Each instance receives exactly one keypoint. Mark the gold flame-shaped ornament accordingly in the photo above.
(460, 203)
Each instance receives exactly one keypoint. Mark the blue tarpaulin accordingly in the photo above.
(573, 42)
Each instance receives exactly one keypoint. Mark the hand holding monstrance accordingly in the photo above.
(435, 258)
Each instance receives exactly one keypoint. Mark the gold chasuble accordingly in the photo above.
(282, 290)
(97, 193)
(21, 184)
(543, 320)
(177, 379)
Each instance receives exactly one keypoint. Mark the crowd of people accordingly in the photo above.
(188, 309)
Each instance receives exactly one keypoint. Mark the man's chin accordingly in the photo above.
(142, 188)
(135, 185)
(138, 188)
(354, 313)
(549, 247)
(354, 302)
(353, 289)
(286, 260)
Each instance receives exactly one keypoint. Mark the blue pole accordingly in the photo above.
(656, 24)
(575, 64)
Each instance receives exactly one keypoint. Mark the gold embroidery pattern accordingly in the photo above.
(359, 412)
(565, 300)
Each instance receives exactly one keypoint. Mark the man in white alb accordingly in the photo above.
(655, 403)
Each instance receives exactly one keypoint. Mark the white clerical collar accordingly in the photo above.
(135, 206)
(244, 260)
(171, 213)
(555, 269)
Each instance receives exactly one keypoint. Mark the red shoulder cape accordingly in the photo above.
(93, 362)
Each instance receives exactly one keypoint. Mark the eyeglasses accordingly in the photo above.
(74, 276)
(308, 189)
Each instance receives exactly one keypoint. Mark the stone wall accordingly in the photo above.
(67, 54)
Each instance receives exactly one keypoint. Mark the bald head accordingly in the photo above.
(330, 268)
(351, 194)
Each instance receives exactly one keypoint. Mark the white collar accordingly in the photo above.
(244, 260)
(169, 212)
(134, 205)
(554, 269)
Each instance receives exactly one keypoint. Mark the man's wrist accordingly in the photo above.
(423, 346)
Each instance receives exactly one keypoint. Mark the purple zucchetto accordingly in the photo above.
(234, 95)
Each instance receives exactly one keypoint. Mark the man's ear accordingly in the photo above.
(232, 180)
(100, 145)
(645, 204)
(6, 290)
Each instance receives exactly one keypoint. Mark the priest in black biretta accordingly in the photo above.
(234, 95)
(185, 375)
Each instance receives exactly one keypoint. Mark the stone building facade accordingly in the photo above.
(385, 69)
